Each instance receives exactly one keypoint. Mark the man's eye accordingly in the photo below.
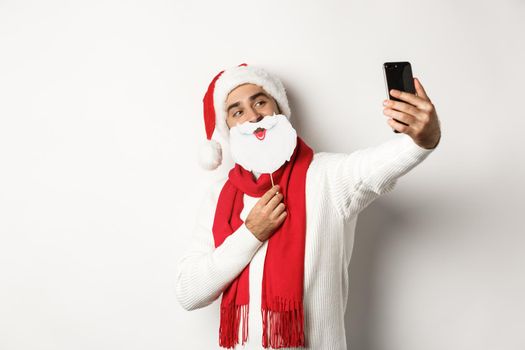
(261, 103)
(235, 114)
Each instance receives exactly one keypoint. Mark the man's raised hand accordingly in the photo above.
(418, 112)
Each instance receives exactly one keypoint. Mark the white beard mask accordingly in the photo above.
(264, 146)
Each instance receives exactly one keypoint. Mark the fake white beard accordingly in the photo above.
(269, 150)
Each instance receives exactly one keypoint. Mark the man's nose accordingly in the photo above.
(255, 116)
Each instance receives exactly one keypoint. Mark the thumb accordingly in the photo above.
(419, 89)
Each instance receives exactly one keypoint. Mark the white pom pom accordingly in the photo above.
(210, 155)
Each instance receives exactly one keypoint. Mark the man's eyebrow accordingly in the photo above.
(253, 97)
(257, 95)
(236, 104)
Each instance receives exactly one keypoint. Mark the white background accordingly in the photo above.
(100, 122)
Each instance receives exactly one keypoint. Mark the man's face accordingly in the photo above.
(249, 103)
(261, 138)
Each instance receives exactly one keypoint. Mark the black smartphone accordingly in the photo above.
(398, 75)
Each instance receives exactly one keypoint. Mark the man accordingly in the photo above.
(277, 243)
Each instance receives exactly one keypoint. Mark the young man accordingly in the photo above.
(279, 254)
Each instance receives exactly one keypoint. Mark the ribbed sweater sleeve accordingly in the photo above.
(204, 271)
(354, 180)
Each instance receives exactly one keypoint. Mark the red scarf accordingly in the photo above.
(282, 284)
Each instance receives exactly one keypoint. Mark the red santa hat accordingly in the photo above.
(215, 106)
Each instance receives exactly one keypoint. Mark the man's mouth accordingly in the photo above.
(260, 133)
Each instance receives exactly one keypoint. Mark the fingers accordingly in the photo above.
(401, 117)
(281, 218)
(279, 209)
(417, 101)
(405, 111)
(274, 202)
(402, 107)
(269, 195)
(405, 129)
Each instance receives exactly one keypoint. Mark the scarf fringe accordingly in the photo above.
(283, 324)
(231, 317)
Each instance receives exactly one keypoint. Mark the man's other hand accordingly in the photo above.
(267, 214)
(418, 112)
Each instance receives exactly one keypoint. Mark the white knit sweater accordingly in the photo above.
(338, 187)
